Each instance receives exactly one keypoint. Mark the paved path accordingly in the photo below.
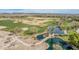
(42, 41)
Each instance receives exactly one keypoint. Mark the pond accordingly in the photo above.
(40, 37)
(64, 45)
(59, 41)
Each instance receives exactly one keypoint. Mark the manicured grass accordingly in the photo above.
(34, 30)
(52, 23)
(11, 26)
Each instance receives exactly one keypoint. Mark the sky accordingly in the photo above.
(60, 11)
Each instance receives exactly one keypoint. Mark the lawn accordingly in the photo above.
(11, 26)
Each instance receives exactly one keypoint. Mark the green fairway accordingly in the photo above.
(11, 26)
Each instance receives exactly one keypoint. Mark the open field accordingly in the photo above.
(20, 31)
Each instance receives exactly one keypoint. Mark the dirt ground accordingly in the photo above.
(10, 41)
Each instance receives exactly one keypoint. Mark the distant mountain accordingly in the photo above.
(58, 11)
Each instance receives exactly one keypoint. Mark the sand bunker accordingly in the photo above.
(3, 27)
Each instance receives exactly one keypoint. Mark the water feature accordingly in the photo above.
(40, 37)
(52, 41)
(58, 30)
(59, 41)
